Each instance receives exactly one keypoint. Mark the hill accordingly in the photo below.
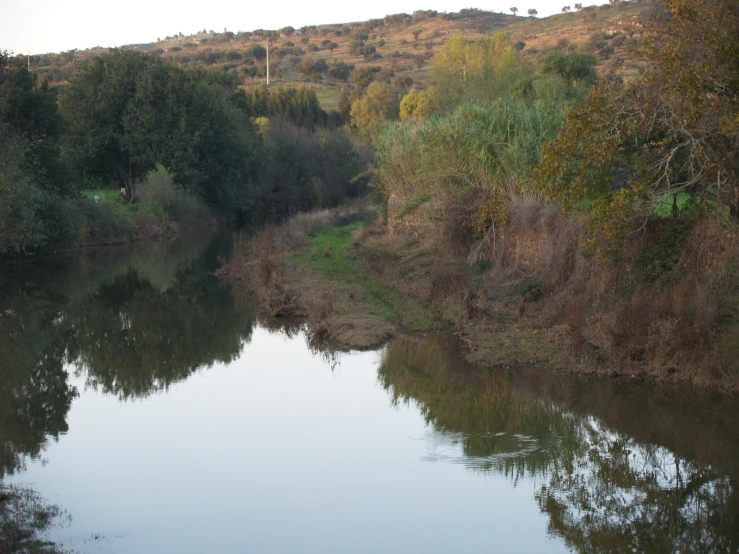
(396, 48)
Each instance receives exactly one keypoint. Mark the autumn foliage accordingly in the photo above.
(674, 130)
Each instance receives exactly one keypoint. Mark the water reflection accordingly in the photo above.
(618, 466)
(131, 322)
(603, 489)
(34, 394)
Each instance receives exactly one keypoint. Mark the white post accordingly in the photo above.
(267, 61)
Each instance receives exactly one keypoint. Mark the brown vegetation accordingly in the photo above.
(531, 297)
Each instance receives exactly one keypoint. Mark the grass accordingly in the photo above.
(107, 194)
(330, 251)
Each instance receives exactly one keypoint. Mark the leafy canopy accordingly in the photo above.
(629, 147)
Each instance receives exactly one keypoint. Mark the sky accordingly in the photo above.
(40, 26)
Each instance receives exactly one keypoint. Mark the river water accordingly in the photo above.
(151, 405)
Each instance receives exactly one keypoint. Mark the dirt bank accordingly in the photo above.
(356, 283)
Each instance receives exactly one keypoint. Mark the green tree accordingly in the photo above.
(129, 112)
(574, 67)
(32, 181)
(94, 105)
(481, 71)
(415, 105)
(378, 104)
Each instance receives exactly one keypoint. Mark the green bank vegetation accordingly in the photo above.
(182, 146)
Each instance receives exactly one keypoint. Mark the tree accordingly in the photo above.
(630, 147)
(378, 104)
(128, 112)
(94, 105)
(32, 180)
(532, 13)
(415, 105)
(565, 9)
(416, 34)
(574, 67)
(578, 7)
(340, 71)
(514, 10)
(480, 71)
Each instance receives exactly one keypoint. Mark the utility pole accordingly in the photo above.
(267, 61)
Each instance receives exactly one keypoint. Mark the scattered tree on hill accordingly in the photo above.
(363, 76)
(313, 68)
(574, 67)
(532, 13)
(565, 9)
(416, 34)
(514, 10)
(578, 7)
(340, 71)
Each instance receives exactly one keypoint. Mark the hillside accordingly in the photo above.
(394, 48)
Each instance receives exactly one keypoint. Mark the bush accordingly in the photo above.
(159, 195)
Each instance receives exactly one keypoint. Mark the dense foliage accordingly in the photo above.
(674, 130)
(172, 139)
(128, 112)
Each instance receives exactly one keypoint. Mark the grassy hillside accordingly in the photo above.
(394, 48)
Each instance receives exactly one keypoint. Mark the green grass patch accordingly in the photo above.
(666, 207)
(330, 251)
(107, 194)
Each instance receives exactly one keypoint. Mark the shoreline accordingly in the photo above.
(356, 286)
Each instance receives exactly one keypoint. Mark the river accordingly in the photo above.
(152, 406)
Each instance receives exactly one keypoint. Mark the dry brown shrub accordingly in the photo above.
(456, 232)
(575, 319)
(539, 243)
(260, 249)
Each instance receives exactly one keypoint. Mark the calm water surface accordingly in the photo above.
(141, 397)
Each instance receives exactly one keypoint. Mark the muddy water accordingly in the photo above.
(140, 396)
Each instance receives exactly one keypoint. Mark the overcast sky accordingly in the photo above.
(41, 26)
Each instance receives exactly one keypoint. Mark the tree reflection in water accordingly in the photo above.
(149, 321)
(603, 489)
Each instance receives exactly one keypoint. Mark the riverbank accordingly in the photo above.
(357, 282)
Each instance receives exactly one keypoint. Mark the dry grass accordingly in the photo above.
(400, 54)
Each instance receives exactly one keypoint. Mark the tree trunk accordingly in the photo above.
(130, 187)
